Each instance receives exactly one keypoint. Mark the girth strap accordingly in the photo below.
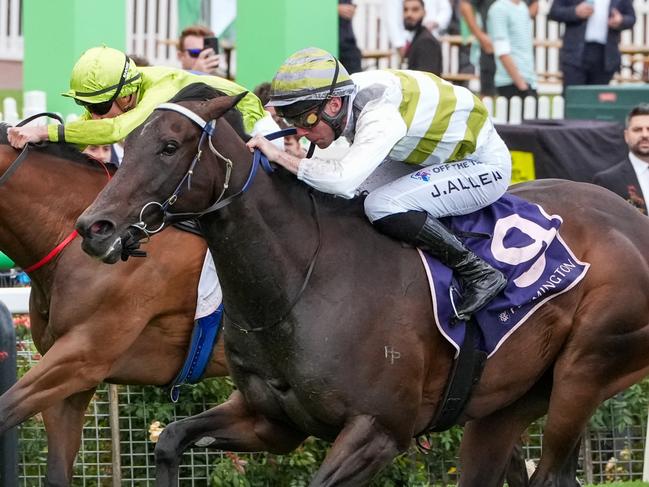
(465, 373)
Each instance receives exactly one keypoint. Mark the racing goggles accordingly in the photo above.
(301, 117)
(96, 108)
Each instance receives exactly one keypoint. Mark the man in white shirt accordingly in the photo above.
(630, 177)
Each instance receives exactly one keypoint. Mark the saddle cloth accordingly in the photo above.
(526, 246)
(210, 294)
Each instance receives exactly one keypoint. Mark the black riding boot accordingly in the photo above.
(480, 282)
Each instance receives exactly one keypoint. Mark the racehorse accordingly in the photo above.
(315, 298)
(129, 324)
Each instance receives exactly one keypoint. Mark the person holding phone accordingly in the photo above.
(198, 49)
(590, 54)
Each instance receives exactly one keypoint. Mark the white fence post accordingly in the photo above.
(10, 109)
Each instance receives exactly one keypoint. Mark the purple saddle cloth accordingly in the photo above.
(526, 247)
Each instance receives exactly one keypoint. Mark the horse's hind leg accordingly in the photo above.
(361, 450)
(487, 443)
(232, 426)
(606, 353)
(63, 425)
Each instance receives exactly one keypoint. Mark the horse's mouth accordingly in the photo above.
(109, 254)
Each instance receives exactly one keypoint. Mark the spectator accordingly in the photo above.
(510, 28)
(437, 19)
(630, 177)
(590, 53)
(424, 52)
(349, 53)
(262, 91)
(405, 116)
(140, 61)
(191, 52)
(100, 152)
(477, 24)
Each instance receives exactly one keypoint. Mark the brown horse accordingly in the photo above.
(129, 324)
(314, 295)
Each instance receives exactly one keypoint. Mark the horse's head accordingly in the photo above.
(170, 161)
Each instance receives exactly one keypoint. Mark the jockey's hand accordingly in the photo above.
(19, 136)
(270, 150)
(273, 153)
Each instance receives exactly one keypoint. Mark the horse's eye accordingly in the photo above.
(169, 149)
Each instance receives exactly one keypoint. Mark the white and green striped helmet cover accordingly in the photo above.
(307, 75)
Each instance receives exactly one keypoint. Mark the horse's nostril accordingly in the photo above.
(101, 228)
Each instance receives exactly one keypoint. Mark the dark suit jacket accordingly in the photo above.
(574, 36)
(425, 52)
(621, 179)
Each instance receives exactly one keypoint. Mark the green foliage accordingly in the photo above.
(626, 409)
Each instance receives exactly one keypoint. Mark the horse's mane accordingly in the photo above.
(205, 92)
(68, 152)
(327, 202)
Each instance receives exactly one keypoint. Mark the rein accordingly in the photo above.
(259, 159)
(12, 168)
(23, 154)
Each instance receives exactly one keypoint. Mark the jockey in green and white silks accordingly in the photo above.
(460, 164)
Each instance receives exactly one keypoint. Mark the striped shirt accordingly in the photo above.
(510, 28)
(407, 116)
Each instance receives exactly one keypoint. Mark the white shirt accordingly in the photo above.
(439, 11)
(641, 169)
(597, 26)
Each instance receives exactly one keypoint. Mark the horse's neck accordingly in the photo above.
(263, 244)
(39, 204)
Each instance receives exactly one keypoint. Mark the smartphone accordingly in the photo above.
(211, 42)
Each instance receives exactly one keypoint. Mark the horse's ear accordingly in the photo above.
(221, 104)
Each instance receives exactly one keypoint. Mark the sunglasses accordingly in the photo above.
(193, 52)
(96, 108)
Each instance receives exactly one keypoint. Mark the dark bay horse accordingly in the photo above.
(329, 328)
(127, 324)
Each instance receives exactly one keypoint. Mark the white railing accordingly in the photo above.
(514, 111)
(11, 40)
(152, 28)
(500, 109)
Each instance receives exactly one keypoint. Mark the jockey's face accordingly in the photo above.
(636, 136)
(120, 106)
(321, 134)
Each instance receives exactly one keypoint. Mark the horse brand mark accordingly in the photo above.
(392, 354)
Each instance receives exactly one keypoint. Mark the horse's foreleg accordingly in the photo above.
(64, 424)
(64, 370)
(361, 450)
(232, 426)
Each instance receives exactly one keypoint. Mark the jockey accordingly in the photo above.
(460, 163)
(118, 97)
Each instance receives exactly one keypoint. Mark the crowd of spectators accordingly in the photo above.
(503, 31)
